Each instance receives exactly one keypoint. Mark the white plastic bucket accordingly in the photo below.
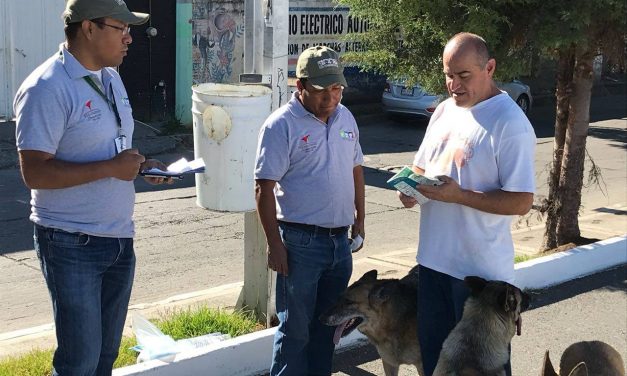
(226, 122)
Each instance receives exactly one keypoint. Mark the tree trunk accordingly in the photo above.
(571, 177)
(551, 205)
(566, 179)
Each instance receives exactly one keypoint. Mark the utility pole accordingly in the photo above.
(265, 61)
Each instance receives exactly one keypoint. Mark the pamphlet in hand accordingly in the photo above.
(406, 181)
(177, 169)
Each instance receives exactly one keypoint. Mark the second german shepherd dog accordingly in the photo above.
(385, 311)
(586, 358)
(479, 343)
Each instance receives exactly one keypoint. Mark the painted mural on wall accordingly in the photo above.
(217, 40)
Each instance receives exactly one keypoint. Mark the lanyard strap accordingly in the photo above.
(113, 105)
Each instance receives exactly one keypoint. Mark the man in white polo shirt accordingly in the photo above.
(74, 131)
(309, 191)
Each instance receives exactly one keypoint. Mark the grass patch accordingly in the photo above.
(177, 323)
(521, 257)
(33, 363)
(186, 323)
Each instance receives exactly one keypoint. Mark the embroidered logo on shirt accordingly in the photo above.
(90, 112)
(126, 102)
(347, 135)
(305, 144)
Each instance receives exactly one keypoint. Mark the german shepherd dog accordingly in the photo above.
(478, 345)
(593, 358)
(385, 311)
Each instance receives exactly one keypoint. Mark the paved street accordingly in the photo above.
(182, 248)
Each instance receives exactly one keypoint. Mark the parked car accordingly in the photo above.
(400, 99)
(519, 92)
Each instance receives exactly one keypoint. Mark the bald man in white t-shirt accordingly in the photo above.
(481, 145)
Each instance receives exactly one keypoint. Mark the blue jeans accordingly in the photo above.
(89, 279)
(320, 265)
(441, 301)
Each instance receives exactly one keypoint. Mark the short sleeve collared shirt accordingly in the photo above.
(60, 113)
(312, 163)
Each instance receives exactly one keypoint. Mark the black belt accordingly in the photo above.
(317, 229)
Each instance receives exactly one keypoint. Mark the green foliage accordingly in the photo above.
(187, 323)
(34, 363)
(521, 258)
(406, 37)
(174, 126)
(126, 356)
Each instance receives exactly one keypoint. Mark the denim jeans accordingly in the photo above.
(89, 279)
(320, 265)
(441, 301)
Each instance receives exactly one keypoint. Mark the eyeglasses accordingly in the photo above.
(125, 30)
(330, 89)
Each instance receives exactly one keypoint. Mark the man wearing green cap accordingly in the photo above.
(74, 133)
(310, 189)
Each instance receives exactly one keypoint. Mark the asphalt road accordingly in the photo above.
(181, 247)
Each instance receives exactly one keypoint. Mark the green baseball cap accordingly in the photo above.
(321, 66)
(79, 10)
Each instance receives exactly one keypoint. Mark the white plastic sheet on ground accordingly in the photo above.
(153, 344)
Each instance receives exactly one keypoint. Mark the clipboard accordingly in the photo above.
(154, 174)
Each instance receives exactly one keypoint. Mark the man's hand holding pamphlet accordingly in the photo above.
(406, 181)
(177, 169)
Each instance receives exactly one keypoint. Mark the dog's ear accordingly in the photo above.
(411, 279)
(580, 370)
(508, 299)
(380, 294)
(547, 367)
(476, 284)
(369, 276)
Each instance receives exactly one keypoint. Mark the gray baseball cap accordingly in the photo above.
(321, 66)
(79, 10)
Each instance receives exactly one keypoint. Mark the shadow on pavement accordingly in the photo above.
(613, 134)
(348, 362)
(613, 279)
(377, 178)
(378, 134)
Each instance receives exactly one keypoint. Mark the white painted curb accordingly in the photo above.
(245, 355)
(560, 267)
(251, 354)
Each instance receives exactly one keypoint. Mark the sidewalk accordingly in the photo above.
(145, 138)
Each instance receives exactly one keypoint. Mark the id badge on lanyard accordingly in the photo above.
(120, 140)
(120, 144)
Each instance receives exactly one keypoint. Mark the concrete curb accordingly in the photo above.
(551, 270)
(225, 358)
